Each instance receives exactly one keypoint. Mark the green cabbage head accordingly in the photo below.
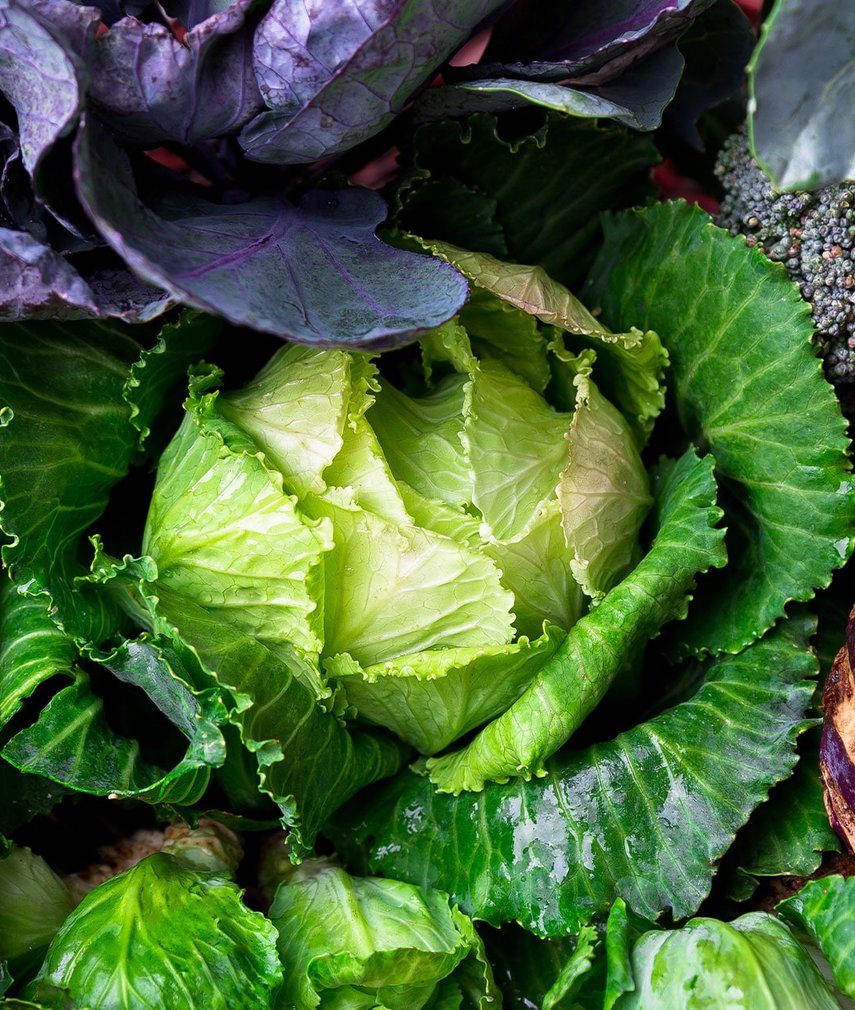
(414, 535)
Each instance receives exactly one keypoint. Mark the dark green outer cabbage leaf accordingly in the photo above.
(742, 368)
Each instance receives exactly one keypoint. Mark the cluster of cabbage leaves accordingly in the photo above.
(426, 551)
(458, 548)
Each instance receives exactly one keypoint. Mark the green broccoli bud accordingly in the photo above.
(813, 236)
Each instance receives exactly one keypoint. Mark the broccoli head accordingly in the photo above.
(813, 235)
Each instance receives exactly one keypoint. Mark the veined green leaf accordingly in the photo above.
(825, 908)
(75, 398)
(448, 521)
(517, 447)
(393, 590)
(33, 648)
(535, 198)
(600, 644)
(342, 938)
(159, 369)
(536, 567)
(738, 336)
(161, 934)
(295, 411)
(308, 763)
(631, 373)
(752, 962)
(224, 533)
(73, 743)
(421, 439)
(645, 816)
(788, 834)
(637, 359)
(528, 288)
(498, 329)
(361, 467)
(604, 491)
(575, 972)
(65, 439)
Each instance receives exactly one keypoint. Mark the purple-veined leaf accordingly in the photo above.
(155, 87)
(594, 39)
(39, 76)
(37, 283)
(336, 74)
(313, 273)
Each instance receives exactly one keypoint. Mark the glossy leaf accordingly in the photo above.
(752, 962)
(603, 642)
(788, 834)
(741, 366)
(69, 437)
(345, 938)
(335, 80)
(237, 260)
(33, 649)
(604, 492)
(223, 532)
(825, 908)
(161, 369)
(634, 362)
(430, 699)
(38, 283)
(645, 816)
(800, 128)
(66, 440)
(160, 933)
(308, 763)
(295, 410)
(73, 743)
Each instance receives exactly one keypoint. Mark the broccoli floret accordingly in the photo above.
(813, 235)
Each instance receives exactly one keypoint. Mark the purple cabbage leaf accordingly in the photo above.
(41, 78)
(155, 84)
(636, 99)
(335, 74)
(314, 272)
(610, 60)
(592, 41)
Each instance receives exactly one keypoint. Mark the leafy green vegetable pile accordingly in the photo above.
(461, 650)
